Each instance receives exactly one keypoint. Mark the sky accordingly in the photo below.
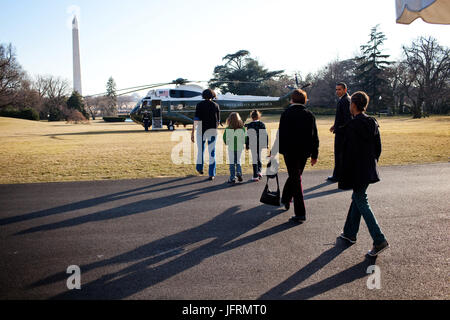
(140, 42)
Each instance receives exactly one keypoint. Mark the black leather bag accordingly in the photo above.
(271, 197)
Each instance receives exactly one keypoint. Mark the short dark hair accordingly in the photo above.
(342, 84)
(208, 94)
(361, 100)
(299, 96)
(255, 114)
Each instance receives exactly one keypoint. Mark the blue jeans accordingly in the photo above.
(235, 163)
(212, 156)
(360, 207)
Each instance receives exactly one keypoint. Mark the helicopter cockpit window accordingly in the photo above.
(184, 94)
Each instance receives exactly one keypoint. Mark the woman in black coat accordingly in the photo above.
(358, 169)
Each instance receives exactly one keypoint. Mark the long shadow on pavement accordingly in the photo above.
(84, 204)
(351, 274)
(129, 209)
(164, 258)
(356, 272)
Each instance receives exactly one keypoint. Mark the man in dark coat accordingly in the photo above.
(146, 119)
(298, 140)
(358, 168)
(342, 117)
(206, 121)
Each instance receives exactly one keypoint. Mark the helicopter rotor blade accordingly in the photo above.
(179, 81)
(144, 88)
(137, 88)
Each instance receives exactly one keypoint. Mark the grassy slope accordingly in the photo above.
(42, 152)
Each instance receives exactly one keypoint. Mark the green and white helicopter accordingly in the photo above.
(176, 106)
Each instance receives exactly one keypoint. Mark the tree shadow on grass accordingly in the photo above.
(162, 259)
(87, 133)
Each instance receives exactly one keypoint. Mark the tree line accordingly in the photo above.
(46, 97)
(417, 84)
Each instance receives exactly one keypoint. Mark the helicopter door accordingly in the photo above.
(157, 121)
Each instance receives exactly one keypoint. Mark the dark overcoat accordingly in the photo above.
(361, 151)
(298, 133)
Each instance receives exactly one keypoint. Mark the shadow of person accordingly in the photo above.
(324, 184)
(83, 204)
(280, 291)
(164, 258)
(349, 275)
(138, 207)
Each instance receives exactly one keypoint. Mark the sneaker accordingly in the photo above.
(239, 178)
(211, 178)
(348, 239)
(231, 181)
(255, 179)
(376, 249)
(260, 175)
(200, 172)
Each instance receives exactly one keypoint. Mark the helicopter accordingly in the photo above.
(176, 106)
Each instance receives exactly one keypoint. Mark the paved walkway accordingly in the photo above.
(188, 238)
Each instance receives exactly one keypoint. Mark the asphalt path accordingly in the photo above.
(188, 238)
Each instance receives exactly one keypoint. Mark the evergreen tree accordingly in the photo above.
(242, 74)
(75, 102)
(372, 63)
(112, 97)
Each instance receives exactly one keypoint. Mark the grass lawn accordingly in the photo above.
(33, 151)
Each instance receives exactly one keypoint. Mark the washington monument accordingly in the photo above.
(76, 57)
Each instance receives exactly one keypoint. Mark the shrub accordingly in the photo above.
(114, 119)
(26, 113)
(75, 116)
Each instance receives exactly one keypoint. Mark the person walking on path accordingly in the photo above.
(256, 140)
(342, 117)
(206, 121)
(358, 168)
(298, 140)
(234, 138)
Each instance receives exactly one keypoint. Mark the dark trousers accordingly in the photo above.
(360, 207)
(257, 165)
(293, 186)
(338, 146)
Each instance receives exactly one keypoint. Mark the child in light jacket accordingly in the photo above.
(234, 138)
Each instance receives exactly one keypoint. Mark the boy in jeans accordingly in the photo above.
(256, 140)
(358, 169)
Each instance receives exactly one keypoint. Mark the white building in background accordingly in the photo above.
(76, 57)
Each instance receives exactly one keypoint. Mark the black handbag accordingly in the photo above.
(271, 197)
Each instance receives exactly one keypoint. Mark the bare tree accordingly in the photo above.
(322, 92)
(54, 92)
(100, 106)
(429, 66)
(11, 74)
(125, 102)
